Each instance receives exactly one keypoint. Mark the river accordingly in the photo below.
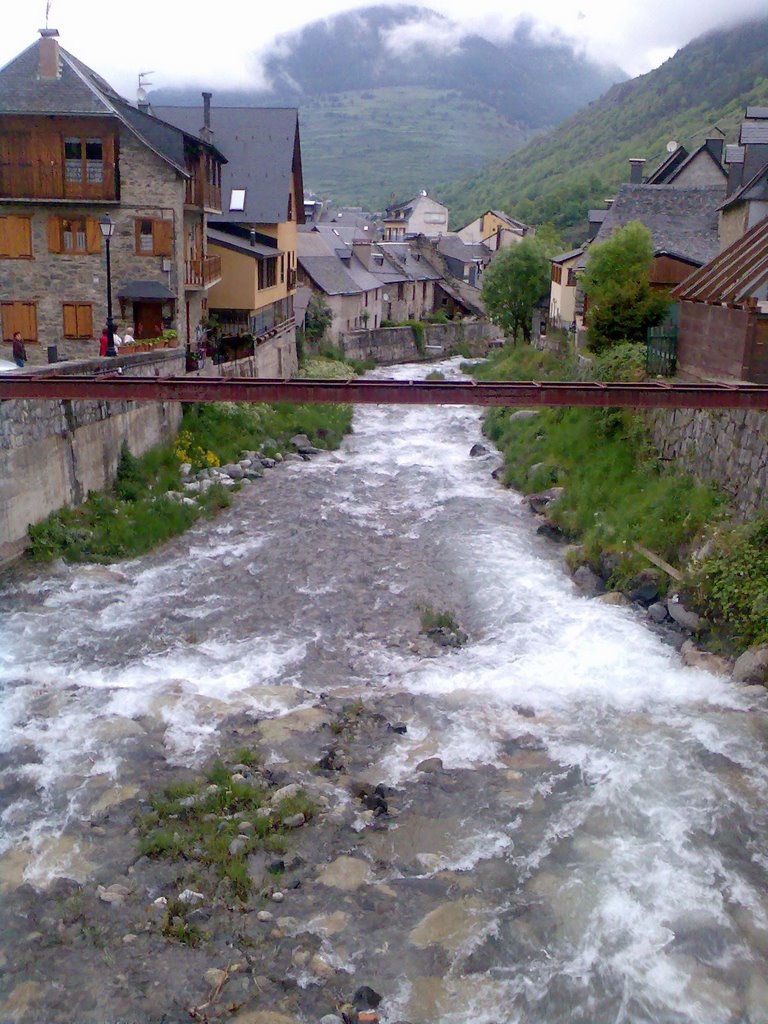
(597, 846)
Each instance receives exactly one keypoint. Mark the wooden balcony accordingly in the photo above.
(202, 273)
(43, 180)
(203, 193)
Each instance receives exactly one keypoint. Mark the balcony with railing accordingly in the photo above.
(43, 180)
(202, 273)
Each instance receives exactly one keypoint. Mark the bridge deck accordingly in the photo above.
(655, 394)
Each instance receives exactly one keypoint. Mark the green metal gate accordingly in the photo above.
(661, 351)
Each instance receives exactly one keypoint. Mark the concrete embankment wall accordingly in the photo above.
(727, 447)
(399, 344)
(52, 453)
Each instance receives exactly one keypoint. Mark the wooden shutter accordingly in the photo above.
(92, 235)
(15, 237)
(162, 233)
(19, 316)
(54, 234)
(84, 320)
(29, 315)
(70, 320)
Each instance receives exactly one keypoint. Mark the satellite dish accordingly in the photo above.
(672, 146)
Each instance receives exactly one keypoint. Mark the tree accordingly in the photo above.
(318, 318)
(513, 284)
(621, 303)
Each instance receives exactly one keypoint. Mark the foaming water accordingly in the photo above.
(617, 849)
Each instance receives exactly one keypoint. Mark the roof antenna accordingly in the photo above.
(47, 11)
(142, 100)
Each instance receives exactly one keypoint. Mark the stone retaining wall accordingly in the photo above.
(52, 453)
(726, 447)
(398, 344)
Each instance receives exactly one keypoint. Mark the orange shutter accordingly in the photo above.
(30, 321)
(162, 233)
(70, 320)
(92, 235)
(84, 321)
(54, 234)
(6, 236)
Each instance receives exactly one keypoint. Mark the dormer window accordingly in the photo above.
(237, 199)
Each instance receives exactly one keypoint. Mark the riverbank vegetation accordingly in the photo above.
(617, 495)
(147, 504)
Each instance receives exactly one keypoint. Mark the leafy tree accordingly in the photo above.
(548, 238)
(512, 285)
(621, 304)
(318, 318)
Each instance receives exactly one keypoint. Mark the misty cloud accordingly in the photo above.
(431, 32)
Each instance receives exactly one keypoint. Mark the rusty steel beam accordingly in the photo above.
(656, 394)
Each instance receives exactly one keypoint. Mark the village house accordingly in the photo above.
(421, 215)
(464, 261)
(563, 288)
(73, 151)
(495, 229)
(412, 278)
(255, 234)
(703, 166)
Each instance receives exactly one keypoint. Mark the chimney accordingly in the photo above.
(49, 68)
(636, 165)
(734, 161)
(206, 132)
(714, 146)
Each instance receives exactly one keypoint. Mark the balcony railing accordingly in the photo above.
(41, 179)
(202, 273)
(202, 193)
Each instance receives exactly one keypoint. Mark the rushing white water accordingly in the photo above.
(651, 880)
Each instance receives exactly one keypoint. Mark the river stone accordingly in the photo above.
(329, 924)
(366, 998)
(683, 617)
(233, 471)
(294, 821)
(285, 793)
(265, 917)
(301, 441)
(277, 897)
(752, 666)
(214, 977)
(691, 656)
(541, 499)
(430, 765)
(268, 463)
(261, 1017)
(477, 450)
(330, 1018)
(302, 720)
(450, 926)
(236, 846)
(523, 414)
(185, 468)
(345, 873)
(588, 582)
(320, 967)
(657, 612)
(613, 597)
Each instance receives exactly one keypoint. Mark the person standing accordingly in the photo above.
(19, 351)
(103, 342)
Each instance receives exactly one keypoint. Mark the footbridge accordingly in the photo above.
(358, 391)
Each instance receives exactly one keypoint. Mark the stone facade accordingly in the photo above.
(275, 357)
(52, 453)
(150, 188)
(398, 344)
(728, 448)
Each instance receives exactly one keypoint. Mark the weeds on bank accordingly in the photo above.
(198, 821)
(431, 618)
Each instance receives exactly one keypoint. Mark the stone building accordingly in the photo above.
(421, 215)
(71, 151)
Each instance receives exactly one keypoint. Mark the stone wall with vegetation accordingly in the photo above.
(417, 342)
(52, 453)
(728, 448)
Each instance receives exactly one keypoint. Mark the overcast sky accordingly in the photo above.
(214, 43)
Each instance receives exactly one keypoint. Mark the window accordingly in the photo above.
(290, 206)
(153, 237)
(78, 320)
(15, 238)
(571, 278)
(557, 273)
(268, 272)
(237, 199)
(19, 316)
(83, 159)
(282, 269)
(74, 235)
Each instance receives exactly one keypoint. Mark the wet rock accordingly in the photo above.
(191, 897)
(693, 657)
(614, 597)
(285, 793)
(523, 414)
(320, 967)
(478, 449)
(331, 761)
(498, 472)
(265, 917)
(588, 582)
(114, 894)
(277, 897)
(345, 873)
(645, 587)
(752, 666)
(268, 463)
(215, 977)
(294, 821)
(430, 765)
(657, 611)
(449, 926)
(551, 531)
(684, 617)
(301, 441)
(366, 998)
(542, 499)
(399, 727)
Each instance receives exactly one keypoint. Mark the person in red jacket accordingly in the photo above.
(103, 342)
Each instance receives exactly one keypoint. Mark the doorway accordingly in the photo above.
(148, 319)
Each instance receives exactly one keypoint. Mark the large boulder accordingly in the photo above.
(588, 581)
(752, 666)
(542, 499)
(693, 657)
(477, 450)
(684, 617)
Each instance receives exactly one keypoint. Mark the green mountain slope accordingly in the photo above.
(359, 147)
(558, 177)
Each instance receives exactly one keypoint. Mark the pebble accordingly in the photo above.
(263, 812)
(129, 937)
(294, 821)
(236, 846)
(285, 793)
(238, 777)
(265, 916)
(215, 977)
(245, 826)
(190, 896)
(330, 1018)
(277, 897)
(320, 967)
(161, 901)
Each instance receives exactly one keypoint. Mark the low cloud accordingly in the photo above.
(430, 32)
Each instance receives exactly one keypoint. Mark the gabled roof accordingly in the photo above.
(507, 219)
(667, 167)
(682, 220)
(565, 256)
(413, 265)
(263, 149)
(755, 188)
(330, 273)
(733, 277)
(80, 91)
(455, 248)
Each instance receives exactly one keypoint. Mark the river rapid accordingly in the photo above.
(596, 846)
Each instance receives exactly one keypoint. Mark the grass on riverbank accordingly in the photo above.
(617, 493)
(137, 513)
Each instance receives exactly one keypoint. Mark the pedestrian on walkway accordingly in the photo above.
(19, 352)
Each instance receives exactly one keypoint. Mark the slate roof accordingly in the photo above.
(455, 248)
(510, 220)
(735, 275)
(668, 166)
(755, 188)
(80, 91)
(258, 250)
(565, 256)
(261, 145)
(683, 221)
(413, 265)
(330, 273)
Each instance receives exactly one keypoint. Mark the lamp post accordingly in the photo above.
(107, 226)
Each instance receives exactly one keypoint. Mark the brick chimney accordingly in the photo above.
(206, 132)
(49, 67)
(636, 165)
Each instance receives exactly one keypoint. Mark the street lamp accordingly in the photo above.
(107, 227)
